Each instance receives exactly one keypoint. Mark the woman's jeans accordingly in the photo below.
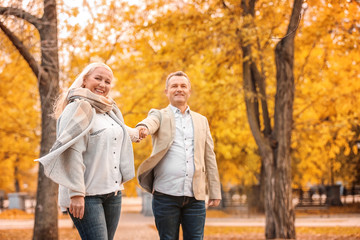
(170, 212)
(101, 217)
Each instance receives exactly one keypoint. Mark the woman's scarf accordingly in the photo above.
(100, 103)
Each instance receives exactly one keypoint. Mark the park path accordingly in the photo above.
(134, 225)
(138, 221)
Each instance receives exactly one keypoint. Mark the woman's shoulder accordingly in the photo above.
(77, 109)
(77, 105)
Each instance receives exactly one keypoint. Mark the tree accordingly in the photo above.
(274, 143)
(47, 73)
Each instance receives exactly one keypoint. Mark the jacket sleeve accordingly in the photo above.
(64, 164)
(75, 155)
(133, 133)
(152, 122)
(76, 167)
(211, 166)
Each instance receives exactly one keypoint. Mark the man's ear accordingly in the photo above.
(166, 91)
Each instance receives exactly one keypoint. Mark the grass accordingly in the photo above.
(218, 233)
(302, 233)
(16, 214)
(26, 234)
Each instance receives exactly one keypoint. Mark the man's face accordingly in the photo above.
(178, 90)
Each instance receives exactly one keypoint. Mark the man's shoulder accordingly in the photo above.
(158, 111)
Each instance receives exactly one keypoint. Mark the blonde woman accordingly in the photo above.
(92, 156)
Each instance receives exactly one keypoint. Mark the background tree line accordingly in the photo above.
(144, 42)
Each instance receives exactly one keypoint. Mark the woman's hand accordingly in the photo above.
(77, 206)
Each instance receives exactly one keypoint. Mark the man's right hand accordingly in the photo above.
(143, 132)
(77, 206)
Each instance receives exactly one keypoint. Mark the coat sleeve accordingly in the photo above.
(211, 166)
(73, 159)
(152, 122)
(75, 155)
(133, 133)
(64, 164)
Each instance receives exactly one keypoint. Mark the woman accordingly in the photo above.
(92, 156)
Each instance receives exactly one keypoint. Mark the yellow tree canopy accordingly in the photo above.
(144, 42)
(20, 122)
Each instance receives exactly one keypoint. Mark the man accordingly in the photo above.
(181, 164)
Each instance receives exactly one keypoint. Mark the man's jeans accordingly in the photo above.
(170, 212)
(101, 217)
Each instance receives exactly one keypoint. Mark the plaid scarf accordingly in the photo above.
(100, 103)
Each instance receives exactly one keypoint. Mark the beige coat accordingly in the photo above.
(161, 125)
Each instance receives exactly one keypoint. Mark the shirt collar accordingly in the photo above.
(176, 110)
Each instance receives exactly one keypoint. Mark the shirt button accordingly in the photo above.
(186, 175)
(115, 167)
(115, 181)
(114, 152)
(115, 138)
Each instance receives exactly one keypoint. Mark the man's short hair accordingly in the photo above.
(178, 74)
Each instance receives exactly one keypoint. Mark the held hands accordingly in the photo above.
(77, 206)
(137, 134)
(143, 132)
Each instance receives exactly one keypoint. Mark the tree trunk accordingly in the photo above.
(274, 145)
(46, 212)
(16, 175)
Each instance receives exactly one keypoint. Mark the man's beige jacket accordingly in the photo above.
(161, 125)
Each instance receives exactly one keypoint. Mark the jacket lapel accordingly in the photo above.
(196, 128)
(171, 116)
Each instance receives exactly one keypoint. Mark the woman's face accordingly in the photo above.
(99, 81)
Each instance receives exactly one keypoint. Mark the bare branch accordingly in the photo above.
(22, 49)
(21, 14)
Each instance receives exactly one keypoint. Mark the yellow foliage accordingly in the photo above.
(355, 149)
(144, 43)
(20, 122)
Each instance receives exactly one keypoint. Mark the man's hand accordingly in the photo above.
(214, 202)
(77, 206)
(143, 132)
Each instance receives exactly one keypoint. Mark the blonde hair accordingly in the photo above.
(62, 100)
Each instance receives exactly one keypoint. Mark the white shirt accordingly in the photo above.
(100, 151)
(102, 158)
(174, 174)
